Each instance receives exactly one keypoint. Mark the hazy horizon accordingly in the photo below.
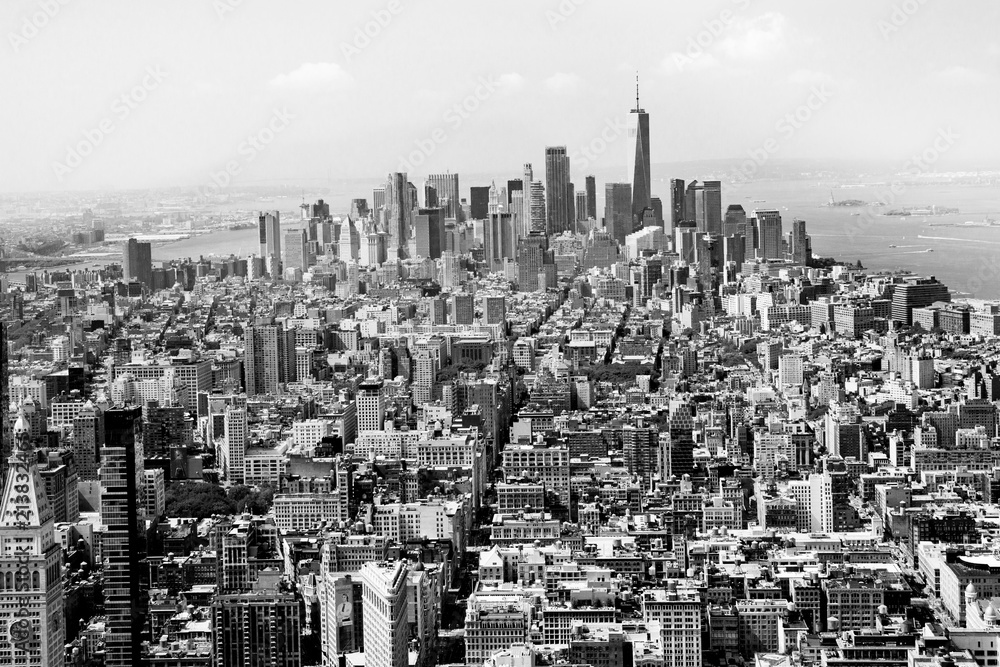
(122, 96)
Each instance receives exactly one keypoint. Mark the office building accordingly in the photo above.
(618, 217)
(370, 403)
(268, 358)
(123, 549)
(463, 309)
(767, 224)
(537, 207)
(396, 215)
(498, 239)
(494, 310)
(32, 616)
(446, 189)
(296, 250)
(137, 262)
(800, 244)
(479, 202)
(581, 206)
(591, 190)
(428, 230)
(677, 198)
(913, 293)
(557, 206)
(269, 234)
(638, 138)
(384, 604)
(232, 449)
(534, 259)
(262, 626)
(679, 615)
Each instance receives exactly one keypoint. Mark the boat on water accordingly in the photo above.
(892, 245)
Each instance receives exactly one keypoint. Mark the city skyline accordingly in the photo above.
(269, 118)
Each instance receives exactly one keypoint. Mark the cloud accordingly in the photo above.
(756, 39)
(511, 82)
(316, 76)
(562, 83)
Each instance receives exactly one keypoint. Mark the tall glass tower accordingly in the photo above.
(638, 145)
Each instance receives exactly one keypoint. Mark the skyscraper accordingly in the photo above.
(428, 230)
(591, 188)
(913, 293)
(397, 213)
(269, 234)
(513, 185)
(268, 358)
(677, 212)
(370, 402)
(32, 615)
(446, 187)
(768, 226)
(262, 626)
(581, 205)
(137, 262)
(735, 222)
(232, 449)
(430, 196)
(537, 208)
(533, 255)
(498, 239)
(384, 601)
(378, 201)
(703, 204)
(618, 210)
(712, 204)
(638, 135)
(800, 246)
(526, 203)
(556, 188)
(479, 201)
(296, 250)
(121, 472)
(88, 439)
(463, 309)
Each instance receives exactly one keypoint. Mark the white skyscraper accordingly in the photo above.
(233, 447)
(371, 406)
(386, 631)
(821, 502)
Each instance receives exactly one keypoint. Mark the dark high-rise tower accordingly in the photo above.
(591, 187)
(677, 211)
(121, 470)
(769, 235)
(638, 135)
(557, 190)
(137, 262)
(618, 218)
(479, 202)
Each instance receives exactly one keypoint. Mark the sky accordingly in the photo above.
(122, 94)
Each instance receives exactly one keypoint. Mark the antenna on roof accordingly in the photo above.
(637, 90)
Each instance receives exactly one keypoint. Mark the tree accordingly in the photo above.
(254, 501)
(198, 500)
